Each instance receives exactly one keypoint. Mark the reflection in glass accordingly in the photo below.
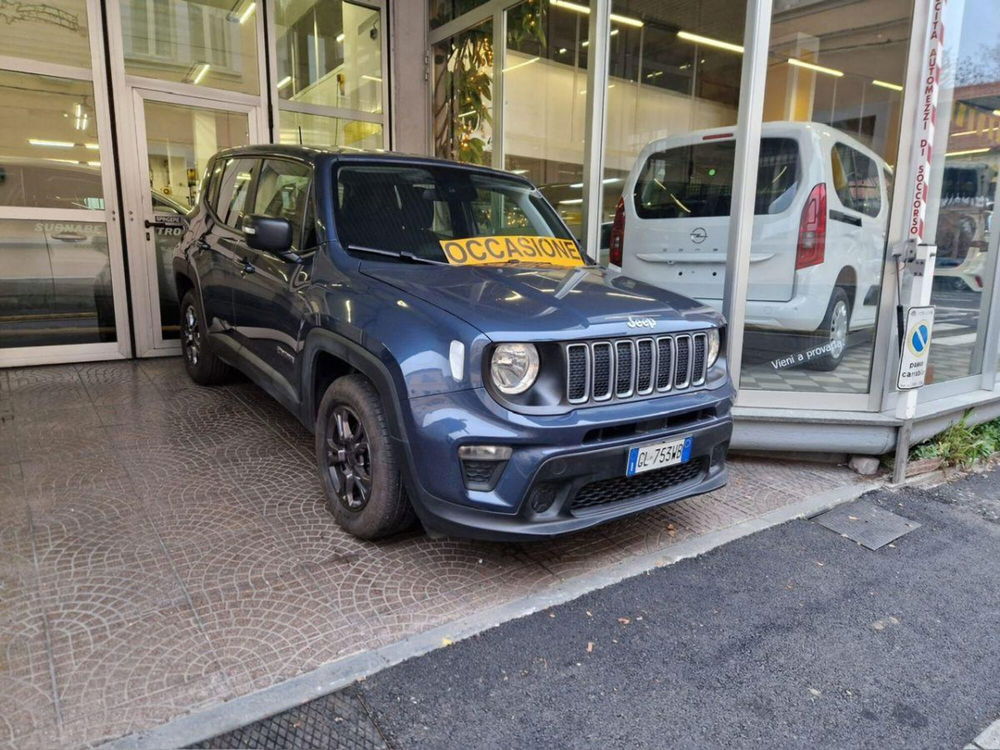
(962, 203)
(672, 77)
(329, 132)
(47, 32)
(330, 54)
(463, 95)
(545, 101)
(210, 43)
(442, 11)
(816, 266)
(180, 141)
(55, 283)
(49, 156)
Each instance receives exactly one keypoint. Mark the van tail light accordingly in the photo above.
(617, 234)
(812, 230)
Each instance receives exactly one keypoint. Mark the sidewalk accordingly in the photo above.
(164, 548)
(795, 637)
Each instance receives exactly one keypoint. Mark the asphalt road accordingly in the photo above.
(793, 637)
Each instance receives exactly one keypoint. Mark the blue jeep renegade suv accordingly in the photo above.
(458, 359)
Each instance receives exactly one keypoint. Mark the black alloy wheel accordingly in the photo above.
(358, 464)
(349, 458)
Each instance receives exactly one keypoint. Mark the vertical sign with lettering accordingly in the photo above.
(930, 84)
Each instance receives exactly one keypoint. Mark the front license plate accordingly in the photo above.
(648, 457)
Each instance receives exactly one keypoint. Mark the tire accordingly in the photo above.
(201, 363)
(833, 332)
(357, 462)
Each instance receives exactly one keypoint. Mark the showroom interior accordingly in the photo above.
(114, 108)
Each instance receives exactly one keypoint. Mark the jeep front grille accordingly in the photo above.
(626, 368)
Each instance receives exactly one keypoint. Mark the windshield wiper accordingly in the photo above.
(402, 255)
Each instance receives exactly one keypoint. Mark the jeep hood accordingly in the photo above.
(545, 303)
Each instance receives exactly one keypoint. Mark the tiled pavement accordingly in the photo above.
(164, 547)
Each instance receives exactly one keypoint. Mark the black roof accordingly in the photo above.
(314, 154)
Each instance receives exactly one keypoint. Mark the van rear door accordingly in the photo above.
(678, 232)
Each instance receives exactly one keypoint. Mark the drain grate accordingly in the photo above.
(866, 524)
(336, 721)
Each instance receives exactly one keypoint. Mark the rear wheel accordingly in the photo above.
(358, 466)
(832, 333)
(201, 363)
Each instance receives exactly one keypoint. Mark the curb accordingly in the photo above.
(988, 739)
(235, 713)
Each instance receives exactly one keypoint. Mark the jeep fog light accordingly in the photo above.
(514, 367)
(713, 346)
(485, 452)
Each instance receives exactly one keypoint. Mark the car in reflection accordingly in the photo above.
(820, 223)
(168, 226)
(963, 226)
(50, 265)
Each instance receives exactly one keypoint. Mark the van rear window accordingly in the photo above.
(696, 181)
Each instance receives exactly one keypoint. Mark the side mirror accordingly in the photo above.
(270, 235)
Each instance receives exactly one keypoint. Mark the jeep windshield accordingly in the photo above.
(441, 214)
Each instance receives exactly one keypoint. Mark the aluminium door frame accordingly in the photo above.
(131, 134)
(97, 75)
(142, 263)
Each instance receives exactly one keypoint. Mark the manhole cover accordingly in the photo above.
(866, 524)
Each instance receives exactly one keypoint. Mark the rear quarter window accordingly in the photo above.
(856, 180)
(696, 181)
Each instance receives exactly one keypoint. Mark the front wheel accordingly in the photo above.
(358, 466)
(831, 336)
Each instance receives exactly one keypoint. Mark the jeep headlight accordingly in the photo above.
(514, 367)
(713, 346)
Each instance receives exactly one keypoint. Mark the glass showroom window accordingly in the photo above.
(329, 54)
(673, 94)
(544, 91)
(51, 32)
(207, 43)
(824, 191)
(462, 106)
(55, 276)
(329, 74)
(315, 129)
(962, 203)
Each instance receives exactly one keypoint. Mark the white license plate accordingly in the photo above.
(648, 457)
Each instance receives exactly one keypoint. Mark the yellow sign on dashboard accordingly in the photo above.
(473, 251)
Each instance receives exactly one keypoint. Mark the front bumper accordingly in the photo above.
(575, 463)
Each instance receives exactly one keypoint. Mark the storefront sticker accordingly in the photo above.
(916, 347)
(474, 251)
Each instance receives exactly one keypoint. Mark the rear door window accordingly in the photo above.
(696, 181)
(856, 180)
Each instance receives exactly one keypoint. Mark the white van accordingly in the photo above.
(821, 217)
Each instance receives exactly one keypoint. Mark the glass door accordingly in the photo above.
(175, 136)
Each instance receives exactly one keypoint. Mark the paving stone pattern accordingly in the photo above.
(164, 547)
